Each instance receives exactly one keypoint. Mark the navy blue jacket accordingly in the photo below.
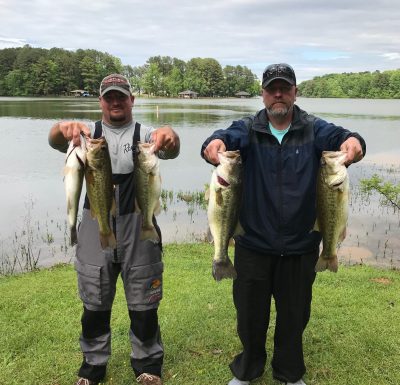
(278, 208)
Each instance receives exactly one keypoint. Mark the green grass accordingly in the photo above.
(353, 336)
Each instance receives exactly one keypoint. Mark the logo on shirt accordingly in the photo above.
(127, 148)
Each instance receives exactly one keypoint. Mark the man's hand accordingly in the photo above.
(166, 139)
(73, 130)
(354, 150)
(213, 148)
(63, 132)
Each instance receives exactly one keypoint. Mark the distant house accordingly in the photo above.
(78, 93)
(188, 94)
(242, 94)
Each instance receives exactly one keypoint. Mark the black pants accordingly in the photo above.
(289, 280)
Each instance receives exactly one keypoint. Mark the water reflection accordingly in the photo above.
(32, 199)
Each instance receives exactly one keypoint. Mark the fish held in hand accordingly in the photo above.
(73, 180)
(147, 189)
(332, 207)
(99, 188)
(224, 197)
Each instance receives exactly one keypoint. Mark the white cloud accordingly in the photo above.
(6, 42)
(343, 36)
(392, 55)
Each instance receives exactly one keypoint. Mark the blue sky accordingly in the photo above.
(314, 36)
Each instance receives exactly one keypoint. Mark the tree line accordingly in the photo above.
(369, 85)
(28, 71)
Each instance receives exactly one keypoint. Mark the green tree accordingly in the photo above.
(67, 72)
(45, 74)
(239, 78)
(153, 81)
(108, 64)
(89, 74)
(136, 77)
(26, 56)
(394, 84)
(164, 64)
(390, 193)
(7, 59)
(174, 82)
(353, 85)
(204, 76)
(14, 83)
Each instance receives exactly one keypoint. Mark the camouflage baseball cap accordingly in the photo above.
(115, 82)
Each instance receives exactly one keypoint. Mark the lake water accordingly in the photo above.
(32, 195)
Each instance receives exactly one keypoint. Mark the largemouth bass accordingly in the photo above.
(225, 194)
(332, 207)
(73, 180)
(99, 188)
(147, 189)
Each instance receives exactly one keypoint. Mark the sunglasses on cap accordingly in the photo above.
(278, 71)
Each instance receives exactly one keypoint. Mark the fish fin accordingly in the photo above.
(108, 240)
(113, 209)
(316, 226)
(89, 177)
(149, 234)
(157, 208)
(218, 197)
(342, 235)
(137, 207)
(92, 212)
(207, 194)
(223, 269)
(65, 170)
(238, 229)
(73, 236)
(68, 204)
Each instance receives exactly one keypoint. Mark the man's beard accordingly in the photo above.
(280, 112)
(117, 118)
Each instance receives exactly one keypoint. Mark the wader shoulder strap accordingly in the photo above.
(98, 130)
(136, 138)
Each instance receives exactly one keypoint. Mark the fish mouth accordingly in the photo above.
(337, 184)
(81, 161)
(222, 181)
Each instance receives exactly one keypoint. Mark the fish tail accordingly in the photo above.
(321, 265)
(333, 264)
(326, 262)
(73, 236)
(150, 234)
(223, 269)
(108, 240)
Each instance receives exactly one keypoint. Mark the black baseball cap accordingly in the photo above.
(278, 71)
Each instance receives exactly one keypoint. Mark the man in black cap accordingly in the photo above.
(281, 147)
(137, 261)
